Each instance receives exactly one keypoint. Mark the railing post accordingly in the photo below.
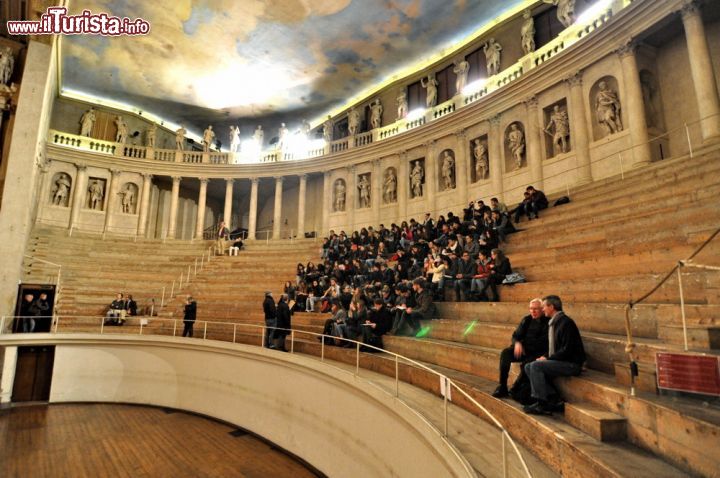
(322, 348)
(196, 267)
(172, 291)
(234, 332)
(2, 325)
(397, 377)
(445, 406)
(162, 300)
(174, 327)
(102, 325)
(357, 358)
(687, 134)
(188, 275)
(504, 456)
(57, 322)
(141, 327)
(180, 285)
(682, 306)
(262, 336)
(205, 331)
(622, 169)
(292, 341)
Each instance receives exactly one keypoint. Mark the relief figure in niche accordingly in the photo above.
(7, 65)
(339, 196)
(492, 51)
(127, 198)
(364, 187)
(448, 170)
(376, 111)
(565, 11)
(430, 84)
(559, 129)
(527, 32)
(95, 195)
(61, 190)
(516, 143)
(87, 121)
(122, 130)
(482, 165)
(390, 186)
(607, 108)
(417, 175)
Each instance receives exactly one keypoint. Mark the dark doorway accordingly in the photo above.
(44, 319)
(33, 373)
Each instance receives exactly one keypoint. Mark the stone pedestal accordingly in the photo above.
(174, 197)
(252, 216)
(202, 199)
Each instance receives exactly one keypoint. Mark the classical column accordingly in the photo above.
(534, 143)
(252, 217)
(42, 184)
(462, 167)
(7, 377)
(202, 200)
(327, 203)
(227, 212)
(78, 195)
(431, 185)
(495, 147)
(111, 193)
(403, 181)
(376, 196)
(277, 214)
(701, 70)
(174, 197)
(634, 105)
(302, 189)
(144, 205)
(350, 194)
(579, 135)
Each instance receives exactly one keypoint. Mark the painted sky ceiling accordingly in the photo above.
(253, 62)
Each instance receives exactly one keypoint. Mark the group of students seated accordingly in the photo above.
(120, 308)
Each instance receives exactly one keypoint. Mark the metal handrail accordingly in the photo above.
(292, 332)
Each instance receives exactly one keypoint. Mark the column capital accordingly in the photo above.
(279, 179)
(303, 177)
(576, 79)
(176, 179)
(254, 181)
(115, 172)
(326, 174)
(461, 133)
(430, 145)
(147, 176)
(627, 48)
(691, 8)
(351, 169)
(203, 181)
(531, 102)
(495, 120)
(229, 180)
(403, 154)
(81, 167)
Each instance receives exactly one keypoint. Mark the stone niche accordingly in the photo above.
(556, 129)
(364, 190)
(446, 165)
(95, 194)
(339, 193)
(416, 178)
(389, 186)
(515, 146)
(606, 107)
(60, 192)
(480, 158)
(128, 198)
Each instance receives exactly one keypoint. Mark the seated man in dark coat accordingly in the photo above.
(538, 201)
(378, 322)
(530, 341)
(283, 323)
(565, 358)
(424, 310)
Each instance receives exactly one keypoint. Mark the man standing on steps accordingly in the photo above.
(189, 316)
(565, 357)
(530, 341)
(270, 318)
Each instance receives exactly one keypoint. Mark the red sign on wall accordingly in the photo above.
(688, 373)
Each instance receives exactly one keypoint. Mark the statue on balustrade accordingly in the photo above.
(559, 129)
(492, 51)
(482, 165)
(353, 121)
(390, 186)
(364, 187)
(430, 84)
(376, 111)
(95, 196)
(7, 65)
(259, 136)
(328, 129)
(516, 143)
(402, 104)
(150, 135)
(180, 138)
(87, 121)
(127, 200)
(527, 32)
(283, 133)
(305, 129)
(607, 108)
(122, 130)
(416, 180)
(461, 70)
(61, 191)
(448, 170)
(565, 11)
(234, 139)
(339, 196)
(208, 138)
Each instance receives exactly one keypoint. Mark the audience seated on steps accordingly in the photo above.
(410, 316)
(499, 269)
(378, 323)
(116, 311)
(532, 204)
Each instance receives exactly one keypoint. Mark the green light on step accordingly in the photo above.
(423, 332)
(469, 328)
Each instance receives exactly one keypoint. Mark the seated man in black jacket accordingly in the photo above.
(565, 357)
(530, 341)
(378, 322)
(424, 310)
(465, 272)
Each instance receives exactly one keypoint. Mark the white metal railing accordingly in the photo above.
(192, 270)
(95, 324)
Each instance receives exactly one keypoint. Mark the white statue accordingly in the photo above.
(150, 135)
(461, 70)
(180, 138)
(121, 135)
(402, 104)
(7, 65)
(492, 51)
(61, 193)
(416, 179)
(482, 165)
(234, 139)
(353, 121)
(607, 109)
(364, 187)
(328, 129)
(283, 133)
(390, 186)
(128, 199)
(560, 122)
(96, 195)
(516, 143)
(448, 170)
(259, 136)
(565, 11)
(431, 84)
(87, 122)
(527, 32)
(376, 111)
(339, 196)
(208, 138)
(305, 129)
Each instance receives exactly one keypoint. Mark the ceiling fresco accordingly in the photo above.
(261, 62)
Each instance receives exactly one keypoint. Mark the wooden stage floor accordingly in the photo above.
(105, 440)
